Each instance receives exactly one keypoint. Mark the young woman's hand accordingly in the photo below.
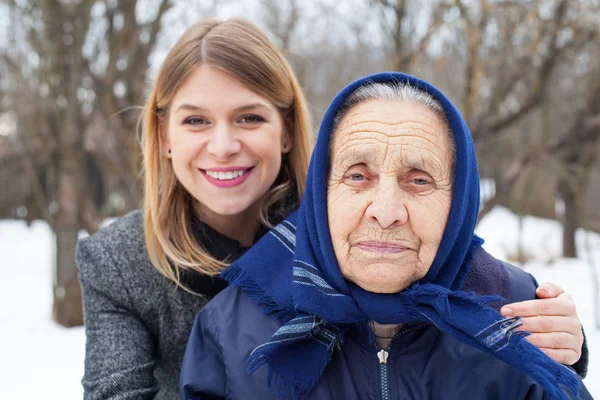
(552, 321)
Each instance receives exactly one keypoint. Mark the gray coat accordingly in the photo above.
(137, 321)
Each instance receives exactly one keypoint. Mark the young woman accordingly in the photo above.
(226, 148)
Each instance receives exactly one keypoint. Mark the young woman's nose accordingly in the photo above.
(223, 144)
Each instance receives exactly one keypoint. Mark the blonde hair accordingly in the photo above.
(240, 49)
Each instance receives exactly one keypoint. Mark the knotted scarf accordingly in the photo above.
(293, 274)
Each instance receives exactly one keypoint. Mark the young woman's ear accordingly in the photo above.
(286, 144)
(165, 143)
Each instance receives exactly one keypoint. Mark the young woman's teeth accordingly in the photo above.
(225, 176)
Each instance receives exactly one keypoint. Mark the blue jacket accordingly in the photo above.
(420, 362)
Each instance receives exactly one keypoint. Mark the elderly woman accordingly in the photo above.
(373, 289)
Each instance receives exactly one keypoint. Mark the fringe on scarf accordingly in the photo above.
(285, 386)
(500, 338)
(551, 376)
(238, 278)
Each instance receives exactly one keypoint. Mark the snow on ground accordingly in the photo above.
(40, 358)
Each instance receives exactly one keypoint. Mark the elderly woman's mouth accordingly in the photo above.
(381, 247)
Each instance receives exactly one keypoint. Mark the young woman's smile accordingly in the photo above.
(227, 177)
(226, 142)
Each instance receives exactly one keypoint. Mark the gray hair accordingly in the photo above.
(396, 91)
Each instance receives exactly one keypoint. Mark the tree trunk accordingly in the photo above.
(499, 198)
(68, 309)
(571, 218)
(68, 306)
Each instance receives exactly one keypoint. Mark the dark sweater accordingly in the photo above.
(137, 321)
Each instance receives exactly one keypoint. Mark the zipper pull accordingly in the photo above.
(383, 356)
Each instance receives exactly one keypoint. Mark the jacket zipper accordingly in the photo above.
(383, 354)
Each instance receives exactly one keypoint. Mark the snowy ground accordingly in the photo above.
(39, 358)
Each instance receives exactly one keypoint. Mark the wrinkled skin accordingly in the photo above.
(389, 193)
(388, 198)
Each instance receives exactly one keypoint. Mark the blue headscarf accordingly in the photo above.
(293, 274)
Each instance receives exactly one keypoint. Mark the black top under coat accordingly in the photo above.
(220, 247)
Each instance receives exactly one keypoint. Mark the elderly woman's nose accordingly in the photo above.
(388, 208)
(222, 143)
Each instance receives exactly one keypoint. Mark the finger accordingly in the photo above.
(547, 324)
(565, 357)
(561, 305)
(556, 340)
(549, 290)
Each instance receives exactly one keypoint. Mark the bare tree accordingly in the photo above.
(507, 83)
(326, 50)
(575, 149)
(282, 20)
(578, 151)
(399, 23)
(70, 90)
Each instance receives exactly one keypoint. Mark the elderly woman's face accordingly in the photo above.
(389, 193)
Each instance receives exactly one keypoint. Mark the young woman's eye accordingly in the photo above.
(195, 121)
(251, 119)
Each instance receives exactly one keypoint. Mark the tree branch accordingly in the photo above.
(539, 87)
(411, 59)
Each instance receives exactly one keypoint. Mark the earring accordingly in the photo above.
(169, 151)
(285, 146)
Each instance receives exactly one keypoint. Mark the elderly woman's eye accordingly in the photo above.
(357, 177)
(420, 181)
